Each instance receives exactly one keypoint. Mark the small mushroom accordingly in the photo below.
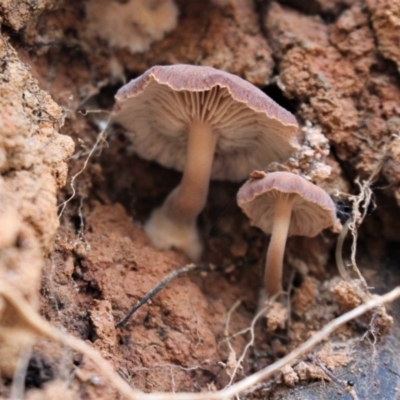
(284, 204)
(132, 24)
(208, 124)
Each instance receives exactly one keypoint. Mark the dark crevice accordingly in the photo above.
(39, 372)
(261, 9)
(91, 333)
(277, 95)
(78, 221)
(313, 7)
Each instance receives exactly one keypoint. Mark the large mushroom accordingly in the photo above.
(207, 123)
(284, 204)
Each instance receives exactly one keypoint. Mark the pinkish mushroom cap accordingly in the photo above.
(284, 204)
(207, 123)
(158, 107)
(313, 210)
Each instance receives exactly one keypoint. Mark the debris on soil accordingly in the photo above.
(289, 377)
(305, 296)
(276, 317)
(348, 297)
(386, 21)
(308, 371)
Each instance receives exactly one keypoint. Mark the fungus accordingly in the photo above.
(208, 124)
(133, 24)
(284, 204)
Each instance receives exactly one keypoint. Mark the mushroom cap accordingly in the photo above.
(158, 107)
(313, 209)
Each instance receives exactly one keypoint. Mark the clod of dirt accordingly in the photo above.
(276, 316)
(17, 14)
(308, 371)
(305, 295)
(103, 323)
(32, 168)
(289, 377)
(335, 72)
(349, 296)
(386, 24)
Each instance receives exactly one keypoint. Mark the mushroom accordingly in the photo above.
(132, 24)
(284, 204)
(207, 123)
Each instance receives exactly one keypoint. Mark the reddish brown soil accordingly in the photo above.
(334, 64)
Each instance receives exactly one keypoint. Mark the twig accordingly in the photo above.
(41, 327)
(18, 384)
(161, 285)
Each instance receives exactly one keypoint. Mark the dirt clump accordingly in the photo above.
(328, 68)
(386, 22)
(17, 15)
(349, 295)
(32, 168)
(305, 295)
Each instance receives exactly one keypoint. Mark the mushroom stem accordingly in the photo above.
(174, 224)
(187, 200)
(276, 249)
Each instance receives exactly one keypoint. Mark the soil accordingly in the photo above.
(72, 241)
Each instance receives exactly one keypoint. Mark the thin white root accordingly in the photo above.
(249, 344)
(41, 327)
(100, 138)
(360, 202)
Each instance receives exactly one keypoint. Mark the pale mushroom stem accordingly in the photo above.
(276, 249)
(187, 200)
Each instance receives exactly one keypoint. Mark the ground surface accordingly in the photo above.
(333, 63)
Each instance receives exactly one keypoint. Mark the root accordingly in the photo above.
(37, 325)
(100, 138)
(360, 206)
(250, 343)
